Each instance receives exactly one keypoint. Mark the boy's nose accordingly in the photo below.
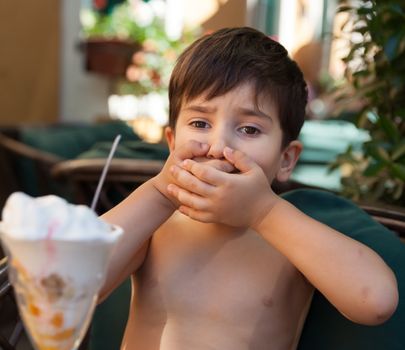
(216, 150)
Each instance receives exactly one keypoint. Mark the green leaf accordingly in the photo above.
(361, 73)
(364, 10)
(389, 128)
(401, 113)
(398, 170)
(377, 152)
(383, 153)
(379, 189)
(398, 152)
(391, 46)
(374, 168)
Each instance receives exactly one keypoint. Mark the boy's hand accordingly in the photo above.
(219, 164)
(211, 195)
(190, 149)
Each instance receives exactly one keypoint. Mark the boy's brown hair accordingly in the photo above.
(218, 62)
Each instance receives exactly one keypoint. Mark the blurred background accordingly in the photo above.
(49, 72)
(86, 61)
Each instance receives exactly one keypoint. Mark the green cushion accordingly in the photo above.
(128, 149)
(110, 318)
(66, 141)
(325, 327)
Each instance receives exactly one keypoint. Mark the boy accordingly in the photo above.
(235, 267)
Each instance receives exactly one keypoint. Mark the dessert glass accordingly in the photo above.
(56, 284)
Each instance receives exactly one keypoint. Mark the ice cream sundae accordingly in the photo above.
(58, 254)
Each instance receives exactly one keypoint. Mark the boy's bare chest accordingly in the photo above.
(236, 280)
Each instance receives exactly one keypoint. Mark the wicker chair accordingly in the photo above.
(123, 176)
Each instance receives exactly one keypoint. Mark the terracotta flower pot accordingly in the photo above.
(109, 57)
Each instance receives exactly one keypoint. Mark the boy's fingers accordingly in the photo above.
(192, 149)
(204, 172)
(220, 164)
(186, 198)
(195, 214)
(190, 182)
(239, 159)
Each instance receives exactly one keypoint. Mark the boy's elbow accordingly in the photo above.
(382, 305)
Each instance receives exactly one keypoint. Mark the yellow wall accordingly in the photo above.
(230, 14)
(29, 61)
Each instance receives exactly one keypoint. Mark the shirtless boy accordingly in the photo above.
(217, 260)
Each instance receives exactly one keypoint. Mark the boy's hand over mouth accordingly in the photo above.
(219, 164)
(211, 195)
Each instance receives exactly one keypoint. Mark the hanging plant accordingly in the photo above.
(129, 41)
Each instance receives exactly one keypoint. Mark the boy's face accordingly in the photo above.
(233, 120)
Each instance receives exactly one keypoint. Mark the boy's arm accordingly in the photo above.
(140, 214)
(350, 275)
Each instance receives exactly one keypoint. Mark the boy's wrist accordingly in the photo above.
(161, 188)
(264, 210)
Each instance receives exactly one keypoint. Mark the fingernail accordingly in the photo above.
(229, 151)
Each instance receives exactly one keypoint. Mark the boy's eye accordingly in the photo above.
(249, 130)
(199, 124)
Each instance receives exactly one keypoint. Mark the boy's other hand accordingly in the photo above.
(220, 164)
(208, 194)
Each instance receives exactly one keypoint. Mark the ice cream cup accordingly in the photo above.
(56, 283)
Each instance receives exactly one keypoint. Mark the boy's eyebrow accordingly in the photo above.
(242, 111)
(254, 112)
(201, 109)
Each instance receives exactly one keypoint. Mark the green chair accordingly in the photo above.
(28, 153)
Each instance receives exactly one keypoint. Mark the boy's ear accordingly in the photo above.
(289, 158)
(169, 135)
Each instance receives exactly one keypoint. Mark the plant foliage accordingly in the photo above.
(375, 69)
(142, 22)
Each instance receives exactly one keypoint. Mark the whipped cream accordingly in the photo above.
(52, 217)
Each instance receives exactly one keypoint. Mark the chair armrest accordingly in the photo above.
(393, 219)
(24, 150)
(123, 176)
(125, 170)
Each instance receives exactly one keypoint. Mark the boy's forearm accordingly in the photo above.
(140, 214)
(350, 275)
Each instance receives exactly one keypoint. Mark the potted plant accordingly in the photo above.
(375, 72)
(111, 38)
